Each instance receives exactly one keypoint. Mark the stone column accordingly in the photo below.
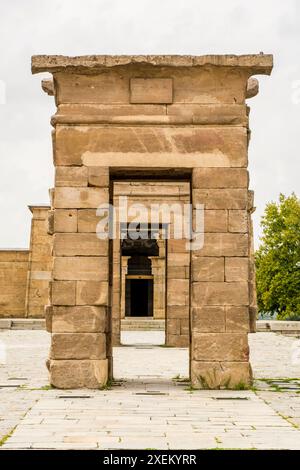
(178, 285)
(220, 295)
(79, 295)
(252, 279)
(39, 264)
(116, 293)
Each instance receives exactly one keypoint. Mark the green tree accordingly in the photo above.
(278, 259)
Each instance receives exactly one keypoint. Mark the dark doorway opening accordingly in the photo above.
(139, 297)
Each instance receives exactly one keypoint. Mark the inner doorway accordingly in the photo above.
(139, 296)
(139, 286)
(150, 281)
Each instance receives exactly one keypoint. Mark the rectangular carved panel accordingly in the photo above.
(151, 90)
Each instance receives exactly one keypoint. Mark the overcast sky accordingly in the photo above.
(76, 27)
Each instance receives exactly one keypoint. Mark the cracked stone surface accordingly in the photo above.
(148, 408)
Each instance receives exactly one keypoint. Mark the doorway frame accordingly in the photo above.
(144, 174)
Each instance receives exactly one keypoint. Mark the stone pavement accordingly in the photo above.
(151, 404)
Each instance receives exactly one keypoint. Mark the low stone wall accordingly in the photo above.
(13, 281)
(291, 328)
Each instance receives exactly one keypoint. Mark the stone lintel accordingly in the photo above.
(31, 207)
(256, 63)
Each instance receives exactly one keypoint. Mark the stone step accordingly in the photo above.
(284, 327)
(142, 323)
(22, 324)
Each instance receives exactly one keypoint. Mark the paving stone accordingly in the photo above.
(148, 409)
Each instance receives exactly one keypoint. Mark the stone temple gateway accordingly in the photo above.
(155, 129)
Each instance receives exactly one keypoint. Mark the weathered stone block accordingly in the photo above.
(208, 319)
(79, 373)
(172, 146)
(98, 176)
(219, 293)
(220, 375)
(210, 113)
(65, 220)
(72, 198)
(50, 224)
(177, 246)
(63, 292)
(209, 178)
(78, 346)
(81, 268)
(237, 319)
(101, 88)
(79, 244)
(174, 326)
(178, 292)
(214, 220)
(109, 110)
(236, 269)
(178, 311)
(48, 317)
(87, 220)
(151, 90)
(71, 176)
(238, 221)
(177, 298)
(79, 319)
(179, 259)
(175, 285)
(221, 198)
(223, 244)
(220, 347)
(184, 326)
(178, 341)
(208, 269)
(178, 272)
(252, 318)
(92, 293)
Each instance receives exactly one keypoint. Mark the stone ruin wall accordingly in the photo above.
(25, 274)
(167, 115)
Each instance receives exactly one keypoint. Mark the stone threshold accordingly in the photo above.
(143, 323)
(285, 327)
(22, 324)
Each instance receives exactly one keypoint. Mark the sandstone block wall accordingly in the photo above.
(160, 116)
(25, 274)
(13, 282)
(39, 263)
(220, 281)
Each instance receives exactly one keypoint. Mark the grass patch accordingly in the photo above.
(107, 386)
(7, 436)
(277, 387)
(241, 386)
(33, 389)
(190, 389)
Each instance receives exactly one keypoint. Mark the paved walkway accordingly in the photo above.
(151, 405)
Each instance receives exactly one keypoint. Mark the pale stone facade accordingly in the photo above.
(151, 118)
